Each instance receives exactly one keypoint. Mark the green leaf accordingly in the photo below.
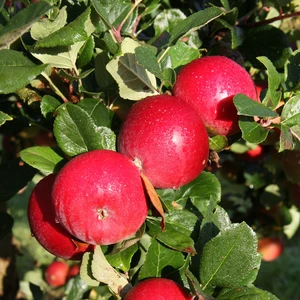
(78, 30)
(273, 96)
(134, 81)
(76, 132)
(4, 117)
(245, 293)
(101, 115)
(218, 142)
(45, 26)
(6, 224)
(48, 105)
(146, 57)
(86, 269)
(21, 22)
(230, 259)
(292, 71)
(252, 132)
(86, 53)
(290, 115)
(14, 175)
(16, 71)
(103, 77)
(198, 194)
(248, 107)
(288, 137)
(267, 41)
(105, 273)
(194, 22)
(75, 289)
(122, 260)
(160, 261)
(43, 158)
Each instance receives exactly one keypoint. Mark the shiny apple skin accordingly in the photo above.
(45, 228)
(209, 85)
(158, 288)
(99, 197)
(164, 136)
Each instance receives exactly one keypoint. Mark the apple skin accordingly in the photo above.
(44, 227)
(73, 271)
(209, 85)
(56, 274)
(99, 197)
(254, 154)
(270, 248)
(165, 137)
(158, 288)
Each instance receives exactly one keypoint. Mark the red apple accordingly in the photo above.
(254, 154)
(56, 273)
(270, 248)
(99, 197)
(73, 271)
(209, 85)
(164, 136)
(45, 228)
(158, 288)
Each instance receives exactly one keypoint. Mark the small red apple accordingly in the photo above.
(209, 85)
(99, 197)
(270, 248)
(158, 288)
(73, 271)
(45, 228)
(254, 154)
(164, 136)
(56, 273)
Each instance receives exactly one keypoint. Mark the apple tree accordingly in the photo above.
(74, 78)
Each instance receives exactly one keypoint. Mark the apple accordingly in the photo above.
(209, 85)
(45, 228)
(158, 288)
(99, 197)
(254, 154)
(166, 139)
(73, 271)
(56, 273)
(270, 248)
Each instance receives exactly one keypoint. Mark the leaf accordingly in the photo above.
(4, 117)
(194, 22)
(6, 224)
(267, 41)
(160, 261)
(288, 137)
(105, 273)
(101, 115)
(78, 30)
(48, 105)
(273, 96)
(245, 293)
(16, 71)
(75, 289)
(292, 71)
(134, 81)
(290, 115)
(86, 269)
(122, 260)
(76, 131)
(252, 132)
(230, 259)
(45, 26)
(43, 158)
(86, 53)
(21, 22)
(103, 77)
(14, 175)
(248, 107)
(218, 142)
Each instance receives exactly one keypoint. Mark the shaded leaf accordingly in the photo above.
(75, 289)
(48, 105)
(160, 261)
(16, 71)
(292, 71)
(21, 22)
(43, 158)
(230, 259)
(103, 77)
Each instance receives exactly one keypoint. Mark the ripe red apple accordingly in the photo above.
(164, 136)
(99, 197)
(209, 85)
(56, 273)
(254, 154)
(44, 227)
(270, 248)
(73, 271)
(158, 288)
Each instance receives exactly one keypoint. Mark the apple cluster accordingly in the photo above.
(99, 197)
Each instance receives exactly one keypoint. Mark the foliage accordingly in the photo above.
(72, 69)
